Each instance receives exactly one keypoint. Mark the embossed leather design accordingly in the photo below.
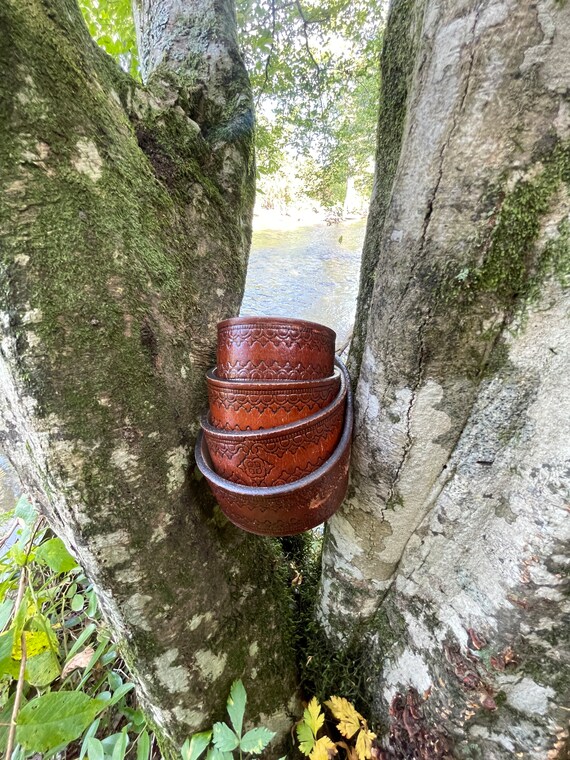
(273, 351)
(276, 459)
(301, 510)
(235, 409)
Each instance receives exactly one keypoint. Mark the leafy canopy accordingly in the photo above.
(314, 70)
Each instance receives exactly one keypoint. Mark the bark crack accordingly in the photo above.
(420, 373)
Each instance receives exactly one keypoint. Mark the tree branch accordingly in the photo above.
(271, 51)
(306, 24)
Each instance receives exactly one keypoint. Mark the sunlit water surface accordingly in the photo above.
(309, 272)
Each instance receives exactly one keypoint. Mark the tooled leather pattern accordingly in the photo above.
(274, 370)
(250, 462)
(312, 342)
(308, 401)
(277, 336)
(295, 517)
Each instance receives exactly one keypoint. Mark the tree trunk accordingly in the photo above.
(446, 562)
(125, 227)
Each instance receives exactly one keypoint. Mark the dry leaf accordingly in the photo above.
(364, 744)
(347, 716)
(324, 749)
(79, 660)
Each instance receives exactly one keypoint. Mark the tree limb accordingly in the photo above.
(271, 51)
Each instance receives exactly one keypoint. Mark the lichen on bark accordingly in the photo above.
(460, 343)
(125, 223)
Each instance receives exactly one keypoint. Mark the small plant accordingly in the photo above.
(222, 740)
(350, 724)
(64, 690)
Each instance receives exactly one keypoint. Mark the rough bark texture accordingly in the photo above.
(455, 517)
(125, 225)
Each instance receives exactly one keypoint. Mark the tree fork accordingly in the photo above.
(125, 226)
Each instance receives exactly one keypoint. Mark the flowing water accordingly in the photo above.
(308, 272)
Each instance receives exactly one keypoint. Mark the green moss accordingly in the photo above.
(122, 260)
(508, 265)
(397, 64)
(395, 501)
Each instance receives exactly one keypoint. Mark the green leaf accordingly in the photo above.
(91, 731)
(136, 717)
(306, 738)
(193, 748)
(95, 750)
(77, 603)
(313, 716)
(224, 738)
(121, 746)
(8, 666)
(5, 718)
(236, 705)
(256, 740)
(119, 694)
(71, 591)
(6, 608)
(25, 511)
(92, 606)
(143, 746)
(114, 680)
(215, 754)
(19, 554)
(42, 669)
(55, 718)
(23, 614)
(54, 554)
(110, 742)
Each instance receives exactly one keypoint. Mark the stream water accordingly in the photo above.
(308, 272)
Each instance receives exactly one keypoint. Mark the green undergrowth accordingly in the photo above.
(322, 669)
(65, 692)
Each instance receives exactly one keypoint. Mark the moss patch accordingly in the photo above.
(397, 65)
(508, 264)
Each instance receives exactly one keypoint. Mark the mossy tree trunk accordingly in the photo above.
(125, 229)
(445, 565)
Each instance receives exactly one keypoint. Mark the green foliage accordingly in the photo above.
(61, 678)
(56, 718)
(314, 70)
(356, 739)
(223, 740)
(110, 23)
(54, 554)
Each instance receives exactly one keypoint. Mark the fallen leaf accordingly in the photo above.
(324, 749)
(79, 660)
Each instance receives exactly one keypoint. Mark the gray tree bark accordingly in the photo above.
(125, 225)
(447, 561)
